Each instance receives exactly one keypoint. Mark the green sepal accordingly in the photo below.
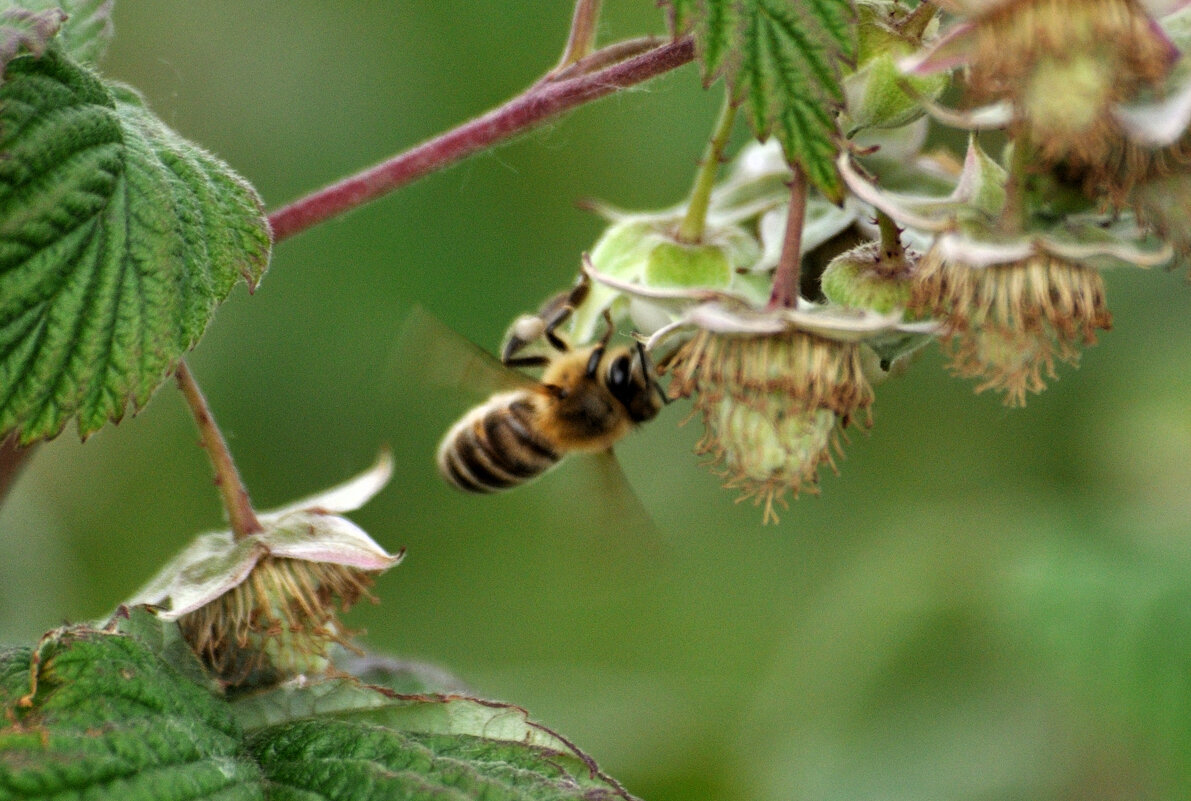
(672, 264)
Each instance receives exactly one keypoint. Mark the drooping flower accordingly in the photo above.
(1066, 68)
(1014, 294)
(263, 607)
(770, 405)
(773, 386)
(1007, 322)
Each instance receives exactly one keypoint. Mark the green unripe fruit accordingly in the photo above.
(867, 277)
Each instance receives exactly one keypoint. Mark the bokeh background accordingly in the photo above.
(983, 604)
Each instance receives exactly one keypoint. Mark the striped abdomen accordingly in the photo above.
(495, 446)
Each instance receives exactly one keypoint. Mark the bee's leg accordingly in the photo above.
(525, 361)
(529, 328)
(526, 329)
(593, 363)
(559, 310)
(650, 374)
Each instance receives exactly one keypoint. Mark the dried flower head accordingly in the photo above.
(262, 607)
(770, 405)
(1007, 323)
(773, 385)
(1063, 65)
(281, 620)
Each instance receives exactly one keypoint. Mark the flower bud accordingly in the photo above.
(874, 94)
(260, 608)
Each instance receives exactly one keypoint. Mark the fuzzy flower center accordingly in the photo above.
(1009, 323)
(280, 618)
(770, 406)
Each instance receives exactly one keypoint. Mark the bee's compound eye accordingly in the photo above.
(620, 373)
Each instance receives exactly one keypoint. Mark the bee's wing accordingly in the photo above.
(620, 511)
(441, 357)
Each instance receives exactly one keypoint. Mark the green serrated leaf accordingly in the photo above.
(108, 719)
(99, 714)
(164, 639)
(502, 753)
(331, 759)
(781, 61)
(400, 675)
(118, 239)
(87, 30)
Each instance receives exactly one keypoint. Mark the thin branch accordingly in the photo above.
(787, 275)
(893, 254)
(540, 103)
(581, 41)
(227, 478)
(1013, 213)
(605, 57)
(691, 229)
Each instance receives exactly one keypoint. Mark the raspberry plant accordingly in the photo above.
(778, 295)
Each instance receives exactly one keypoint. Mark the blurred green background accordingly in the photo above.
(984, 604)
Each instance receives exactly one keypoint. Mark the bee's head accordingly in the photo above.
(631, 379)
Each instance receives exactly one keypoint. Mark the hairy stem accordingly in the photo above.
(227, 478)
(893, 253)
(691, 229)
(786, 276)
(581, 41)
(1013, 213)
(604, 57)
(540, 103)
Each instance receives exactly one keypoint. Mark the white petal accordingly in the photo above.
(348, 496)
(209, 567)
(1157, 124)
(316, 537)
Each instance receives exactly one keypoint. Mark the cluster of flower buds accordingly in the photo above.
(999, 258)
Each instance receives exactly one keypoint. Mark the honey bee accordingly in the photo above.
(586, 400)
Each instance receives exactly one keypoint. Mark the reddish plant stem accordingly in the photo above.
(12, 459)
(788, 273)
(604, 57)
(540, 103)
(227, 478)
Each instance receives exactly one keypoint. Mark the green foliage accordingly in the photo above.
(117, 241)
(115, 714)
(342, 759)
(110, 717)
(782, 61)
